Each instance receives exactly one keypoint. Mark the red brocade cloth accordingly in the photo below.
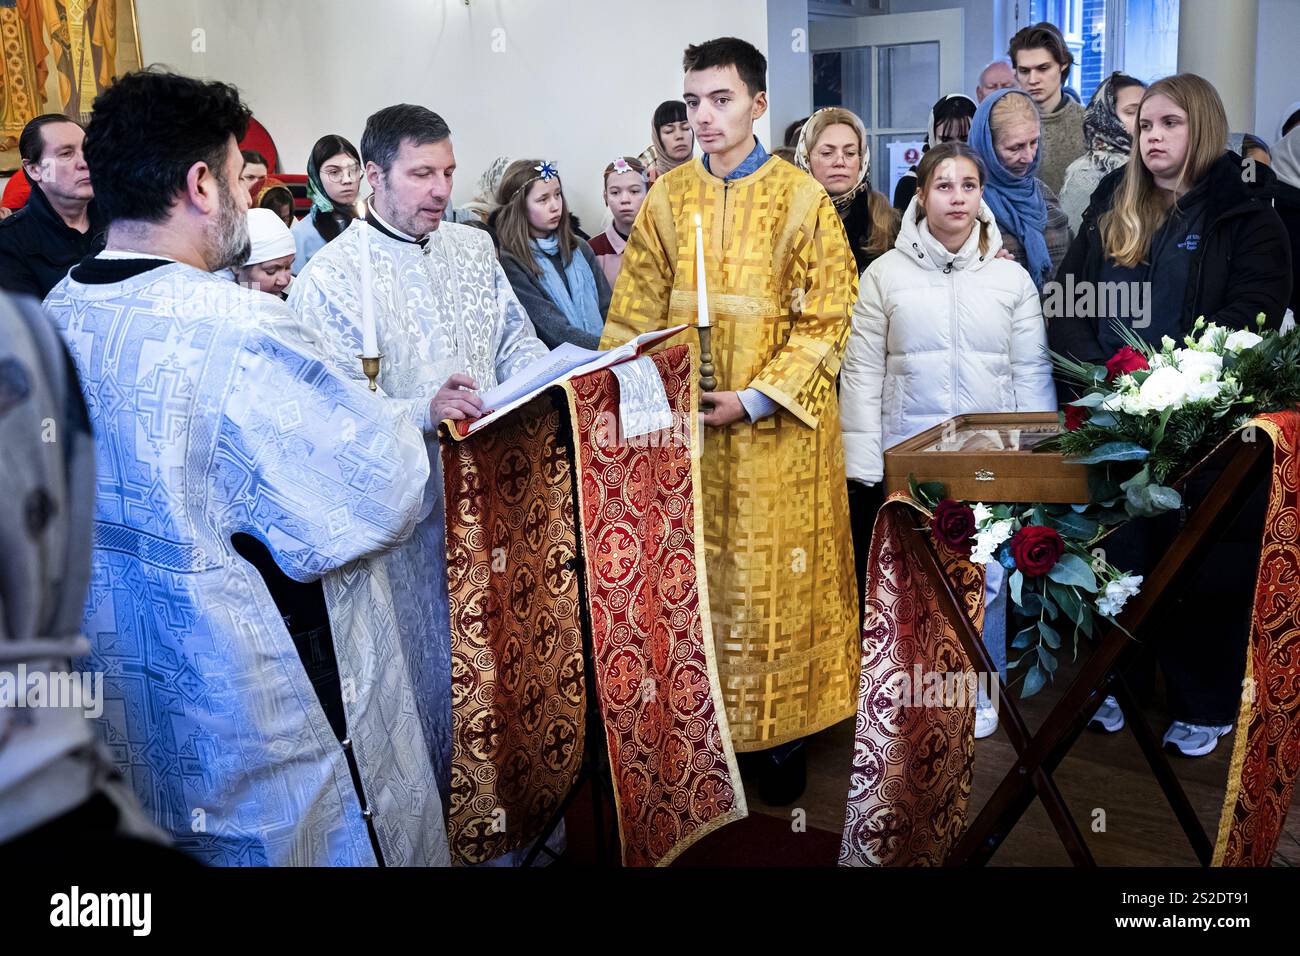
(674, 771)
(510, 487)
(517, 689)
(1266, 742)
(912, 765)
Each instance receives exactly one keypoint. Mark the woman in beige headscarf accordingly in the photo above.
(833, 148)
(671, 140)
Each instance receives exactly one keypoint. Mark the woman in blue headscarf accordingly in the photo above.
(1005, 133)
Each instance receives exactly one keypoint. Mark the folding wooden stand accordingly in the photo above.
(1038, 755)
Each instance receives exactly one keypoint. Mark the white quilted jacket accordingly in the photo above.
(936, 335)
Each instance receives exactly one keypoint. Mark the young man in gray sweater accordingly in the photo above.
(1042, 62)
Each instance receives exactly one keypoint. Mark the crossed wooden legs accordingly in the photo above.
(1038, 755)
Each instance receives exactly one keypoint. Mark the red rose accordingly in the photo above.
(1074, 417)
(954, 524)
(1036, 549)
(1124, 361)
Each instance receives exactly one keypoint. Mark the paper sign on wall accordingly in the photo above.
(902, 157)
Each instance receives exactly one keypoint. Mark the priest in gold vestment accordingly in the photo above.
(781, 283)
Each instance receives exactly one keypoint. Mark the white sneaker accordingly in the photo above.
(986, 721)
(1194, 740)
(1108, 718)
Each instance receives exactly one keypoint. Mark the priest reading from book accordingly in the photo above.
(781, 283)
(430, 300)
(257, 696)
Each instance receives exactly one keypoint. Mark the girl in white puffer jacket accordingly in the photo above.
(942, 327)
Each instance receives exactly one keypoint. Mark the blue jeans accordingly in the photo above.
(995, 620)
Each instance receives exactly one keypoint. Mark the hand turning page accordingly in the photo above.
(559, 365)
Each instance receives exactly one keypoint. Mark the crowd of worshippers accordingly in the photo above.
(183, 285)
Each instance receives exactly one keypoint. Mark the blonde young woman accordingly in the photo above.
(1182, 223)
(1184, 220)
(943, 326)
(832, 147)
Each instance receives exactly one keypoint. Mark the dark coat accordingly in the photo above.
(37, 248)
(1286, 200)
(857, 224)
(552, 326)
(1244, 266)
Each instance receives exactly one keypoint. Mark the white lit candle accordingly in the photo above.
(369, 341)
(701, 292)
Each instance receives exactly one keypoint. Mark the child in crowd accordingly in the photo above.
(625, 188)
(552, 271)
(943, 327)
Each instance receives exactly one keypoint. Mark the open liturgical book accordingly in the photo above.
(559, 365)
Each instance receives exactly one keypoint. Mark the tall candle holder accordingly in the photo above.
(708, 381)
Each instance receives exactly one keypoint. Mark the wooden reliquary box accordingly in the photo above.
(990, 458)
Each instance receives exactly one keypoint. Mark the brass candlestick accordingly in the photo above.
(370, 365)
(707, 380)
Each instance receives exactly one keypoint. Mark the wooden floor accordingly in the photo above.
(1104, 771)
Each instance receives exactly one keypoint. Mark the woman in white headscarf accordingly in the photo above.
(480, 207)
(269, 267)
(833, 148)
(1289, 121)
(1286, 158)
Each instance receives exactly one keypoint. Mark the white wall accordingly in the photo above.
(574, 81)
(1277, 84)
